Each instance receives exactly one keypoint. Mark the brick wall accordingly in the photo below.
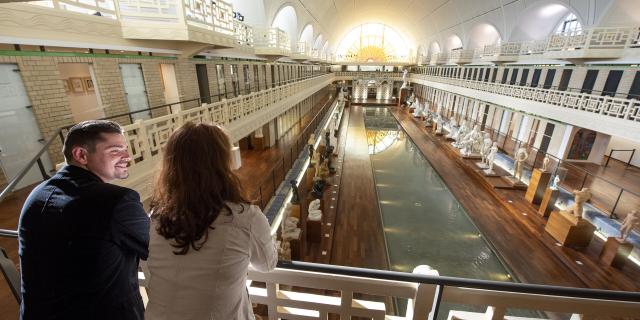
(111, 87)
(187, 82)
(155, 89)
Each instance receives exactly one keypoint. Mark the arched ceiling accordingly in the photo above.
(423, 21)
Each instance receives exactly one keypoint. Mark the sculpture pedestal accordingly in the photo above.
(296, 249)
(314, 230)
(482, 165)
(490, 173)
(615, 252)
(295, 210)
(404, 93)
(539, 181)
(569, 230)
(257, 143)
(311, 172)
(548, 201)
(515, 183)
(471, 156)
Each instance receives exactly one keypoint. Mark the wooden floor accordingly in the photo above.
(513, 227)
(359, 240)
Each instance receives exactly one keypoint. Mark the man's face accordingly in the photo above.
(110, 158)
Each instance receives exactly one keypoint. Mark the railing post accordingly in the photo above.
(613, 211)
(631, 158)
(586, 174)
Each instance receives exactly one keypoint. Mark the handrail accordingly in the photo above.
(633, 151)
(36, 159)
(8, 233)
(463, 282)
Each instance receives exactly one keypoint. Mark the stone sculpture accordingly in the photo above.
(405, 72)
(284, 251)
(290, 228)
(545, 163)
(486, 147)
(471, 142)
(630, 221)
(520, 157)
(439, 125)
(576, 209)
(417, 108)
(318, 187)
(462, 131)
(453, 126)
(411, 99)
(428, 119)
(315, 214)
(491, 156)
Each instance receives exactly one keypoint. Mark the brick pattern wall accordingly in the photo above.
(228, 79)
(187, 82)
(155, 89)
(111, 87)
(213, 81)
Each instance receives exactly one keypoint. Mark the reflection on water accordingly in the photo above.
(423, 222)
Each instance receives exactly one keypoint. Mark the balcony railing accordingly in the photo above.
(568, 44)
(244, 33)
(627, 109)
(271, 40)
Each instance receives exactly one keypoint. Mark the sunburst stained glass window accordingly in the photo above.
(372, 42)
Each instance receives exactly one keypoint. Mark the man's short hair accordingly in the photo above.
(87, 134)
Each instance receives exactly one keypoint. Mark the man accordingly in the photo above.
(80, 237)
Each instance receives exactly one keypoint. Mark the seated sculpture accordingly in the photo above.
(315, 214)
(462, 131)
(471, 142)
(630, 221)
(411, 99)
(453, 129)
(290, 228)
(428, 119)
(417, 110)
(284, 250)
(577, 209)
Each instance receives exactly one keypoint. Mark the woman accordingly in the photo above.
(204, 233)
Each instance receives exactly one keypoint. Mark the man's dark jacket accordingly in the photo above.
(80, 243)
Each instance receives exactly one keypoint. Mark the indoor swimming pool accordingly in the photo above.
(423, 222)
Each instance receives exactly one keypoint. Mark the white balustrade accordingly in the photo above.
(284, 302)
(102, 8)
(244, 33)
(146, 137)
(272, 38)
(628, 109)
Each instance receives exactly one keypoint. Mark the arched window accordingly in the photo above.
(569, 25)
(373, 42)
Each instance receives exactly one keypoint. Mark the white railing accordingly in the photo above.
(271, 38)
(426, 294)
(146, 137)
(216, 16)
(244, 33)
(149, 10)
(303, 48)
(595, 38)
(368, 74)
(628, 109)
(103, 8)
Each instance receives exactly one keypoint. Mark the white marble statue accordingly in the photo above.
(290, 228)
(519, 158)
(486, 146)
(439, 124)
(411, 99)
(630, 221)
(554, 184)
(453, 129)
(491, 156)
(405, 73)
(315, 214)
(417, 107)
(284, 250)
(428, 119)
(577, 208)
(471, 142)
(545, 163)
(460, 134)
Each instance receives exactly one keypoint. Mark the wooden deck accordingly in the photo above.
(512, 225)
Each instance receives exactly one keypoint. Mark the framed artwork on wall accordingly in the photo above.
(88, 84)
(67, 87)
(76, 85)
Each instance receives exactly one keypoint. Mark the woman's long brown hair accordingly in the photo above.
(193, 184)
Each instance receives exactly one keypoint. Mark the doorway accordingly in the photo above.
(170, 84)
(82, 93)
(20, 137)
(203, 83)
(135, 90)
